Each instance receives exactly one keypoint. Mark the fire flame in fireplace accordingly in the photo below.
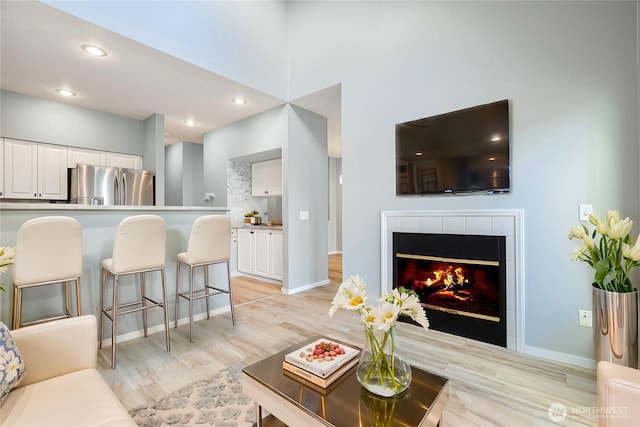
(450, 277)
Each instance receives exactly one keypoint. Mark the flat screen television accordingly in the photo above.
(464, 151)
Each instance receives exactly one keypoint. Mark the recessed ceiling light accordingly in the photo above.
(419, 153)
(93, 50)
(190, 122)
(239, 101)
(496, 138)
(65, 92)
(491, 159)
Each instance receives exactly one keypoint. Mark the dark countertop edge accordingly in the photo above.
(74, 207)
(260, 226)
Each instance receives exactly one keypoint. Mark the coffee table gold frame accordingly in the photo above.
(345, 403)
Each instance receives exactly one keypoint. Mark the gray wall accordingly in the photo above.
(263, 132)
(153, 152)
(335, 206)
(574, 131)
(184, 175)
(306, 188)
(568, 68)
(173, 167)
(36, 119)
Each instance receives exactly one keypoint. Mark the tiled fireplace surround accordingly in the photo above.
(508, 223)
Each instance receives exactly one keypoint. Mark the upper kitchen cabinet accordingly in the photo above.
(128, 161)
(34, 171)
(83, 156)
(266, 178)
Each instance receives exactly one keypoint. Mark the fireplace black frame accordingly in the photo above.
(472, 247)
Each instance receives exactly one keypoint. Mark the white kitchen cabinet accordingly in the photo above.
(83, 156)
(120, 160)
(34, 171)
(276, 252)
(266, 178)
(260, 252)
(52, 172)
(245, 251)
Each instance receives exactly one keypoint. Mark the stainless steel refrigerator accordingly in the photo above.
(102, 185)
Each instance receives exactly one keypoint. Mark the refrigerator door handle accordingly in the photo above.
(124, 194)
(116, 190)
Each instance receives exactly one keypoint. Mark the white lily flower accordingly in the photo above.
(576, 231)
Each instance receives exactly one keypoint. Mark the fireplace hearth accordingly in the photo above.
(460, 280)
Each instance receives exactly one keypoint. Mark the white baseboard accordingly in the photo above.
(335, 252)
(560, 357)
(305, 287)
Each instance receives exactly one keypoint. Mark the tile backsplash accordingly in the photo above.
(239, 199)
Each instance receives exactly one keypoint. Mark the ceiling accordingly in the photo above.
(40, 52)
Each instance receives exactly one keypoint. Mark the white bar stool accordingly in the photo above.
(48, 251)
(139, 248)
(209, 243)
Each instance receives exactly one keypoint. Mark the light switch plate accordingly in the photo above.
(304, 215)
(584, 211)
(585, 318)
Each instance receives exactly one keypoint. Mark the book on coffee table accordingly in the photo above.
(321, 385)
(304, 363)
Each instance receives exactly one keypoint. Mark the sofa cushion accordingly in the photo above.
(78, 399)
(11, 363)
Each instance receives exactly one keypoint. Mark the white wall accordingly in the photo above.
(245, 41)
(569, 71)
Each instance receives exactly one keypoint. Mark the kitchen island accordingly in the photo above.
(99, 225)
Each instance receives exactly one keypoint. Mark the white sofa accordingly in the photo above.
(61, 386)
(618, 395)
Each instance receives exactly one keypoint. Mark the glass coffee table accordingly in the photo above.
(294, 401)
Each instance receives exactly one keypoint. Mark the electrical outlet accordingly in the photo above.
(584, 211)
(585, 318)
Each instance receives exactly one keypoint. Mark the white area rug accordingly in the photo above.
(217, 401)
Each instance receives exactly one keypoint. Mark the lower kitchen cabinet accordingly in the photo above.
(261, 252)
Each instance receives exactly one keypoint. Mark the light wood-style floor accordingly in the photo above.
(489, 385)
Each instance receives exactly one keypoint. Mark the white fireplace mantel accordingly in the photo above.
(487, 222)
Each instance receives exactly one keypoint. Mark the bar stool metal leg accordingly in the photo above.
(191, 303)
(114, 319)
(143, 292)
(103, 282)
(178, 271)
(78, 299)
(206, 288)
(233, 311)
(165, 309)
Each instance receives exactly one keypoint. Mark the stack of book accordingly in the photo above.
(321, 370)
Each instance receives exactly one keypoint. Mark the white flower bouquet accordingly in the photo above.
(380, 370)
(608, 250)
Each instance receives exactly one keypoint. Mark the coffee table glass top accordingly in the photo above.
(346, 402)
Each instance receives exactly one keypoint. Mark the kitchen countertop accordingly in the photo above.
(266, 226)
(74, 207)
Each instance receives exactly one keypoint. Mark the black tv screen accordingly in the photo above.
(463, 151)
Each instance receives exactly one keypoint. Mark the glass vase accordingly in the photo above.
(380, 369)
